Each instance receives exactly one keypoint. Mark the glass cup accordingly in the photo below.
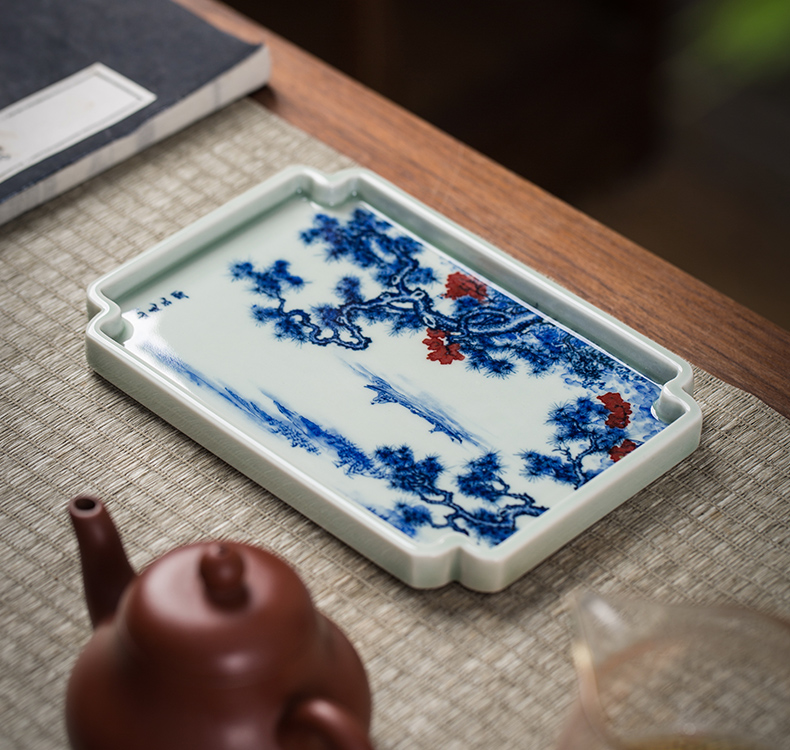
(655, 677)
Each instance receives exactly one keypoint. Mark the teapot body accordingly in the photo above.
(114, 702)
(214, 645)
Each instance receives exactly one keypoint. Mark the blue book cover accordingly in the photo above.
(85, 84)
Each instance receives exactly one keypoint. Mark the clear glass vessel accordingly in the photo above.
(656, 677)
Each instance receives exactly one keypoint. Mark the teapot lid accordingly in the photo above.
(219, 609)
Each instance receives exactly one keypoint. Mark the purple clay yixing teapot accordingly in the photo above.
(213, 646)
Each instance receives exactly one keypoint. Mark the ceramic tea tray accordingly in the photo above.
(443, 409)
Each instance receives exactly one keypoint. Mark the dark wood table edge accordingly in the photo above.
(671, 307)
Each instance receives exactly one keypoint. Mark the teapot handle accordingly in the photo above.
(334, 723)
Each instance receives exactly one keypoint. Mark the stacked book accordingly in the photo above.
(85, 84)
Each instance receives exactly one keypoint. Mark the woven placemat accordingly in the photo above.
(449, 668)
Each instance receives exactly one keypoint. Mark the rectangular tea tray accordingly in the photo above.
(440, 407)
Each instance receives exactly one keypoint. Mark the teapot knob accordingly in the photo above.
(222, 570)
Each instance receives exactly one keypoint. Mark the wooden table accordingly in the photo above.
(666, 304)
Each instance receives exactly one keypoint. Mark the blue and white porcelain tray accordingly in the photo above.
(438, 406)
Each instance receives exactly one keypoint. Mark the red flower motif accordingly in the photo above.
(460, 285)
(618, 451)
(619, 410)
(441, 352)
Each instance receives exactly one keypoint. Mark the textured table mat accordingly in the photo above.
(449, 668)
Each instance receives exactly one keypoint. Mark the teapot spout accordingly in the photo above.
(105, 569)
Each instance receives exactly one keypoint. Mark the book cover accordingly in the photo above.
(85, 84)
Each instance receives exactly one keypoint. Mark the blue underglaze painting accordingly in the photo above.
(401, 379)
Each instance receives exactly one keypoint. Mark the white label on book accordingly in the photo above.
(65, 113)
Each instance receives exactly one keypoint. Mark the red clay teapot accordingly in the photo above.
(213, 646)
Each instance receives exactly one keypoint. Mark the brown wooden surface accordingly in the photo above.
(658, 299)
